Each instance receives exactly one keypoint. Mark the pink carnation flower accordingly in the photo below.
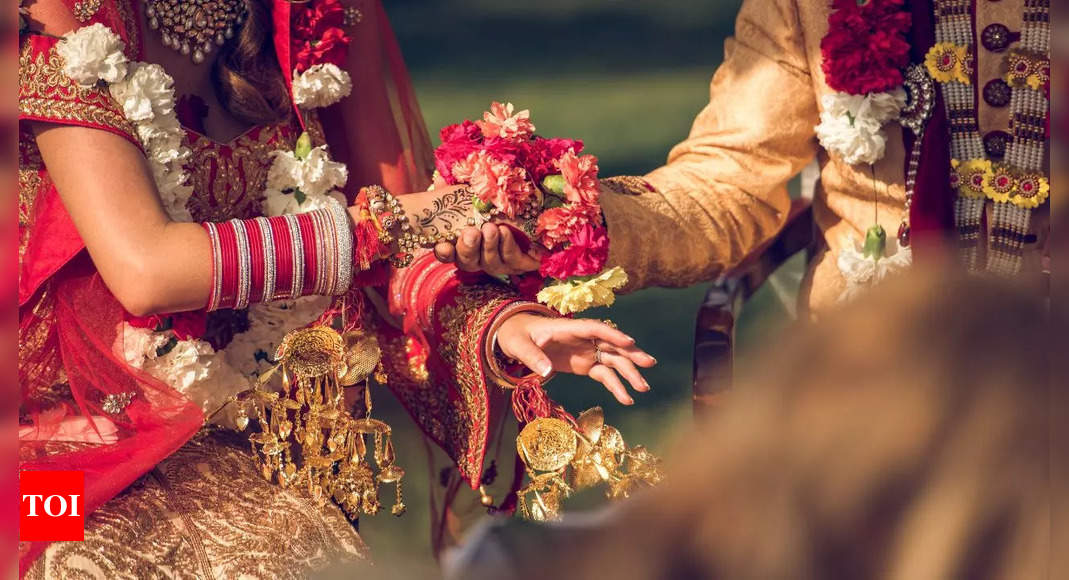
(495, 181)
(500, 122)
(580, 177)
(556, 225)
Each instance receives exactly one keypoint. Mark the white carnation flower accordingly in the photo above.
(320, 174)
(277, 203)
(138, 345)
(316, 176)
(851, 126)
(321, 85)
(164, 129)
(92, 54)
(168, 149)
(285, 171)
(862, 272)
(268, 324)
(174, 193)
(146, 93)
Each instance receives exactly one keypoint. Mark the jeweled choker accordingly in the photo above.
(194, 27)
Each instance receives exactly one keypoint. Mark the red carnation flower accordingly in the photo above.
(543, 155)
(312, 19)
(458, 142)
(865, 49)
(318, 36)
(585, 256)
(330, 48)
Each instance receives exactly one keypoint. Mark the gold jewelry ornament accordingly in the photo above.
(596, 454)
(84, 10)
(194, 27)
(547, 444)
(339, 457)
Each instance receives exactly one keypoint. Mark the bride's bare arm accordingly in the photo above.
(151, 263)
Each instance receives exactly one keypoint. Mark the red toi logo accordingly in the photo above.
(51, 506)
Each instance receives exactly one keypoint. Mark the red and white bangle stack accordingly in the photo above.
(284, 257)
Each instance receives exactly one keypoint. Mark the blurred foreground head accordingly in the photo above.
(905, 438)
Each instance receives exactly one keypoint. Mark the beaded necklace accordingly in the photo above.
(1017, 185)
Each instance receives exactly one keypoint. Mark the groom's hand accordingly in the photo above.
(492, 249)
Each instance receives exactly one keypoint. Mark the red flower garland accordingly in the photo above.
(866, 49)
(318, 36)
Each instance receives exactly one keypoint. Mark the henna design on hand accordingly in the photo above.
(447, 214)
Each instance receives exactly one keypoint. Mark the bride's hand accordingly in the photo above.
(577, 346)
(446, 210)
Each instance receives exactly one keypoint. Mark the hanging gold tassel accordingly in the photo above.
(316, 364)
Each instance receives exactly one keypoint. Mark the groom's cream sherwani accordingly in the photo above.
(723, 190)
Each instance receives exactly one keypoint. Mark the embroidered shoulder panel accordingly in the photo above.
(46, 94)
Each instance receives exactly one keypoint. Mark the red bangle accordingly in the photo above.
(228, 248)
(257, 260)
(284, 256)
(311, 253)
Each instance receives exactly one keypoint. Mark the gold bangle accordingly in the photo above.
(490, 357)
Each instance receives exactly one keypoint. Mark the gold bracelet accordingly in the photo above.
(490, 351)
(395, 227)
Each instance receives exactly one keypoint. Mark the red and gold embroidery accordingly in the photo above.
(228, 179)
(46, 94)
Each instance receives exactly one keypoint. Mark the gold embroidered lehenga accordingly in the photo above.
(166, 496)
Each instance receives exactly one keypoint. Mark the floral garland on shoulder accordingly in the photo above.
(170, 347)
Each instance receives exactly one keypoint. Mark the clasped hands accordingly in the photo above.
(544, 344)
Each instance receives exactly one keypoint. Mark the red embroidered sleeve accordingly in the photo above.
(436, 364)
(46, 94)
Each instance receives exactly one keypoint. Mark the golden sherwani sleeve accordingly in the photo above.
(723, 191)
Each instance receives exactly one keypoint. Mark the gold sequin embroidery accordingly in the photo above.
(47, 94)
(228, 179)
(205, 512)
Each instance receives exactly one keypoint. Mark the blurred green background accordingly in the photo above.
(627, 77)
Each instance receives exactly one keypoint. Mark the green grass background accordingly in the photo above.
(627, 77)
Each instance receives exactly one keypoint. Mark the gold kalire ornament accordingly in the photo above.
(308, 436)
(595, 453)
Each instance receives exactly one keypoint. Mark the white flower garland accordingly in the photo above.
(852, 126)
(862, 272)
(321, 85)
(296, 183)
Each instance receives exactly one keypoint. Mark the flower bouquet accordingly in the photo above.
(545, 184)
